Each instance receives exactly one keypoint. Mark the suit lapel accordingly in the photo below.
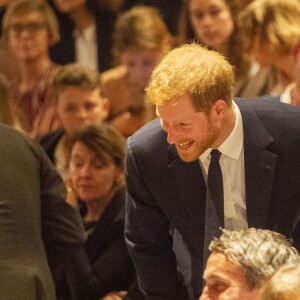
(259, 168)
(188, 192)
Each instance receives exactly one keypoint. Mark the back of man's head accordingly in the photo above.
(76, 75)
(258, 252)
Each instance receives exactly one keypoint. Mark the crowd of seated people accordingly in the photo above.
(74, 79)
(80, 101)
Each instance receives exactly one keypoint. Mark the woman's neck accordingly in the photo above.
(96, 208)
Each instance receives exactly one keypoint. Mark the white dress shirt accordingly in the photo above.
(86, 49)
(233, 171)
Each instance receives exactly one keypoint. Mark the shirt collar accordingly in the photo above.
(232, 146)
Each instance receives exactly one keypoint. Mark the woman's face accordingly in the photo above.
(28, 36)
(140, 64)
(211, 21)
(93, 179)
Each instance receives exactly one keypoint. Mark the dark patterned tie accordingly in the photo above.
(214, 216)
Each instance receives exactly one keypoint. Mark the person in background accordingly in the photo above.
(8, 65)
(271, 29)
(284, 284)
(213, 23)
(97, 186)
(240, 262)
(80, 101)
(29, 28)
(291, 95)
(37, 227)
(140, 40)
(7, 114)
(86, 33)
(168, 9)
(169, 213)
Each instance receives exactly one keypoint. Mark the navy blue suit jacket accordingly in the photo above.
(166, 194)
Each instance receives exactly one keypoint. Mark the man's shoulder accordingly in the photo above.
(268, 106)
(150, 133)
(148, 142)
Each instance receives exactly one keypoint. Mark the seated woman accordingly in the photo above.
(97, 186)
(271, 30)
(140, 40)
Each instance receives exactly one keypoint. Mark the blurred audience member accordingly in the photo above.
(86, 33)
(291, 94)
(7, 64)
(213, 23)
(97, 182)
(284, 284)
(141, 38)
(80, 101)
(241, 260)
(7, 114)
(271, 29)
(169, 10)
(29, 28)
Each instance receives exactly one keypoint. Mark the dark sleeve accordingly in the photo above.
(148, 238)
(62, 228)
(111, 271)
(134, 292)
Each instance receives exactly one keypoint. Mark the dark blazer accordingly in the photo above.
(35, 221)
(63, 52)
(166, 194)
(109, 268)
(50, 141)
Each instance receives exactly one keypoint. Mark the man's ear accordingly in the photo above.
(219, 108)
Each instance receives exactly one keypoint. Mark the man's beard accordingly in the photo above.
(200, 146)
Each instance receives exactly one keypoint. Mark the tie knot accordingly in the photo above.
(215, 155)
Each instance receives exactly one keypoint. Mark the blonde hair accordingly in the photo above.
(191, 69)
(276, 22)
(23, 7)
(283, 285)
(258, 252)
(143, 28)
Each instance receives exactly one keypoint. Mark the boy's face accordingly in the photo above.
(78, 107)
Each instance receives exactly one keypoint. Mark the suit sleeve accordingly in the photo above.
(148, 238)
(62, 228)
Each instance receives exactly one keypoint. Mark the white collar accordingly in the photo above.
(233, 145)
